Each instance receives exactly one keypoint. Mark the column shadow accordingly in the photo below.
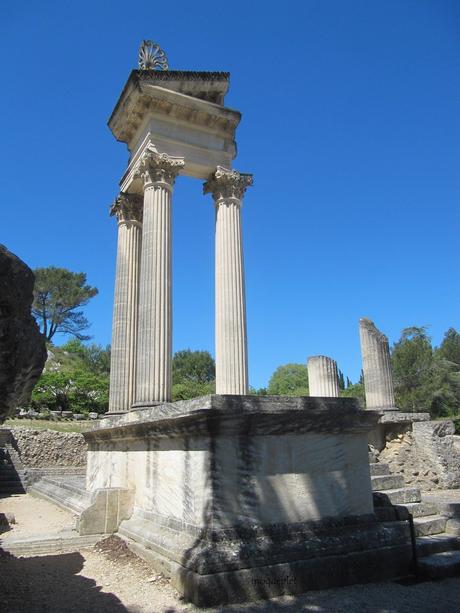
(51, 584)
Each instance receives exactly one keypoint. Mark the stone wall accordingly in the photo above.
(424, 454)
(48, 448)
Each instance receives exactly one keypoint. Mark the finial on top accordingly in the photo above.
(152, 57)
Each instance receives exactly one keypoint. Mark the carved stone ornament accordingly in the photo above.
(157, 167)
(225, 183)
(152, 57)
(127, 208)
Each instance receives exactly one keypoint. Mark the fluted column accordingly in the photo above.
(227, 188)
(378, 378)
(323, 379)
(127, 209)
(154, 346)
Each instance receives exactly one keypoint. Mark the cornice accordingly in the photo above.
(141, 96)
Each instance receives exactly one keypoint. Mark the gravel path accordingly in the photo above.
(108, 578)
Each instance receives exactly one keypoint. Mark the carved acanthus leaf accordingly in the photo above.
(127, 208)
(154, 167)
(226, 183)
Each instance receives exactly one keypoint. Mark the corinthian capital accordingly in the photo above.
(127, 208)
(154, 167)
(225, 183)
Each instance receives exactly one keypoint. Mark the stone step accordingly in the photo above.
(391, 513)
(64, 541)
(397, 496)
(453, 526)
(433, 524)
(68, 496)
(440, 565)
(421, 509)
(378, 469)
(73, 484)
(387, 482)
(428, 545)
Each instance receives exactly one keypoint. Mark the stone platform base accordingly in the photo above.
(242, 497)
(275, 561)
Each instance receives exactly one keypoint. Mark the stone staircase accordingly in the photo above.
(438, 552)
(13, 477)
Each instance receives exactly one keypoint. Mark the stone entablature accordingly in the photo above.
(202, 132)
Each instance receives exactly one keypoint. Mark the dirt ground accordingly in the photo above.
(108, 578)
(34, 516)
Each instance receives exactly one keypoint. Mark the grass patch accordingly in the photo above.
(43, 424)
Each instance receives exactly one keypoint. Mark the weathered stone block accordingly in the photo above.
(109, 507)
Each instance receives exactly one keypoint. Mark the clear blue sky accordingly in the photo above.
(350, 126)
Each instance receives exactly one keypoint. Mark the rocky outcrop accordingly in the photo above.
(48, 448)
(22, 347)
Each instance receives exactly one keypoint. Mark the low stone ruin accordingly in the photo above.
(424, 454)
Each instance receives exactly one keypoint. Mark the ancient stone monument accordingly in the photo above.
(22, 347)
(236, 497)
(173, 123)
(378, 379)
(323, 379)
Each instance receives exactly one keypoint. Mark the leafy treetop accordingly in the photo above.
(58, 294)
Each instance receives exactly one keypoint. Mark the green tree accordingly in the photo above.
(195, 366)
(354, 390)
(94, 358)
(413, 370)
(289, 380)
(341, 379)
(78, 390)
(193, 374)
(450, 347)
(58, 294)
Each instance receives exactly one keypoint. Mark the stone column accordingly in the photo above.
(154, 346)
(378, 378)
(127, 208)
(227, 188)
(323, 379)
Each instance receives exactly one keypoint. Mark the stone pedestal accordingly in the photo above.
(241, 497)
(323, 379)
(227, 188)
(154, 346)
(128, 210)
(378, 378)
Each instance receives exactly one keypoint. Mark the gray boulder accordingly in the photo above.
(22, 347)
